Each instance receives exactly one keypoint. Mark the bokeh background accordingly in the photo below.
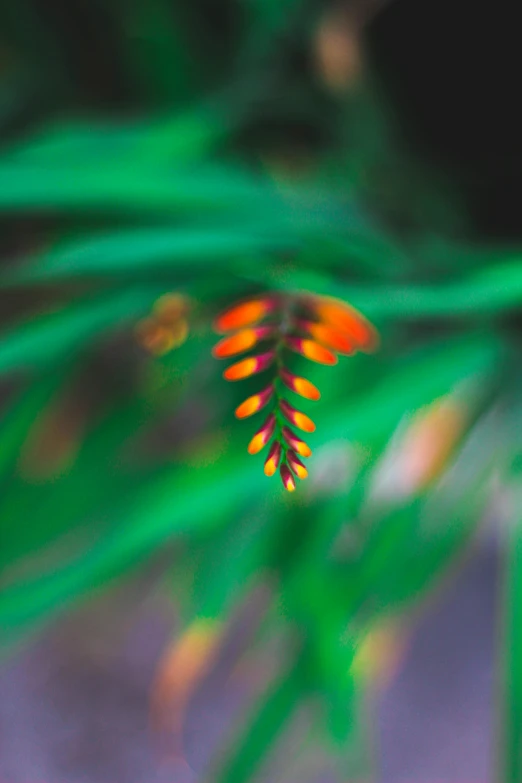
(167, 613)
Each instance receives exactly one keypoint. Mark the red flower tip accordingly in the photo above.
(287, 478)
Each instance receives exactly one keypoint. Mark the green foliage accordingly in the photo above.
(185, 183)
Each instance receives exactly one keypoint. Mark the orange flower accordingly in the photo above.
(348, 320)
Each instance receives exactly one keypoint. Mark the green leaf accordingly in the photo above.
(51, 337)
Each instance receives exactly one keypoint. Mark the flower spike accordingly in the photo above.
(312, 326)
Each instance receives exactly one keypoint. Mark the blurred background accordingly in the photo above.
(168, 614)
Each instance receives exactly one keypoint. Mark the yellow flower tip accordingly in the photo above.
(256, 444)
(296, 417)
(300, 386)
(270, 468)
(236, 343)
(312, 350)
(318, 353)
(295, 443)
(301, 472)
(248, 407)
(243, 314)
(240, 370)
(306, 389)
(254, 403)
(249, 366)
(296, 465)
(304, 422)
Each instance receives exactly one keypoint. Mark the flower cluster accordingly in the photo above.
(319, 329)
(166, 327)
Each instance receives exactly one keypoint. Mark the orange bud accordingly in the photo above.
(254, 404)
(312, 350)
(296, 464)
(302, 448)
(240, 341)
(296, 417)
(299, 385)
(250, 366)
(244, 314)
(263, 435)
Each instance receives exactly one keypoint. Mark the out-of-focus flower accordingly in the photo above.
(337, 49)
(318, 328)
(379, 653)
(166, 327)
(183, 666)
(421, 450)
